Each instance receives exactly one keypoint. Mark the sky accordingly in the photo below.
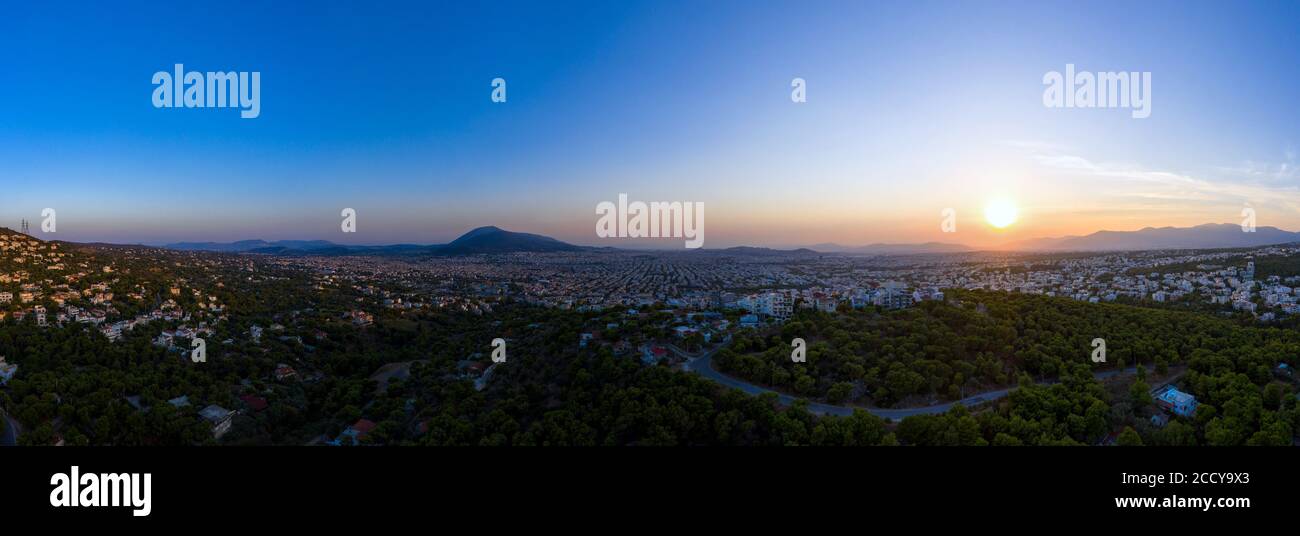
(385, 107)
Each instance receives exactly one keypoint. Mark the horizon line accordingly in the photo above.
(1005, 247)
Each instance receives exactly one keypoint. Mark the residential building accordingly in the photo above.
(7, 371)
(1180, 403)
(219, 418)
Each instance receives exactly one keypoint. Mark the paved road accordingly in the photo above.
(702, 364)
(10, 436)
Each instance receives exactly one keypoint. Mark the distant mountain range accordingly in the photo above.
(1207, 236)
(250, 245)
(494, 240)
(750, 251)
(480, 240)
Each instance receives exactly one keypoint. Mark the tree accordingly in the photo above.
(1129, 438)
(1140, 394)
(1176, 434)
(1222, 432)
(839, 392)
(804, 384)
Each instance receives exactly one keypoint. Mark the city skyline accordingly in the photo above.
(908, 113)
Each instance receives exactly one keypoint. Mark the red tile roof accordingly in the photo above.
(363, 426)
(256, 402)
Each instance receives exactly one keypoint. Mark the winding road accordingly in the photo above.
(10, 436)
(702, 365)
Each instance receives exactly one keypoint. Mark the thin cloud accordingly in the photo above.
(1178, 187)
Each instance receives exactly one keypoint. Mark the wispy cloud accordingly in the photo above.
(1273, 172)
(1255, 184)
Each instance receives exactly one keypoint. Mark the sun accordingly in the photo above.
(1000, 213)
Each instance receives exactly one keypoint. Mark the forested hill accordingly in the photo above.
(981, 341)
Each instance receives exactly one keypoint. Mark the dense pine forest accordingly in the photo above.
(75, 384)
(982, 341)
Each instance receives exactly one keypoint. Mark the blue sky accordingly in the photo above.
(385, 107)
